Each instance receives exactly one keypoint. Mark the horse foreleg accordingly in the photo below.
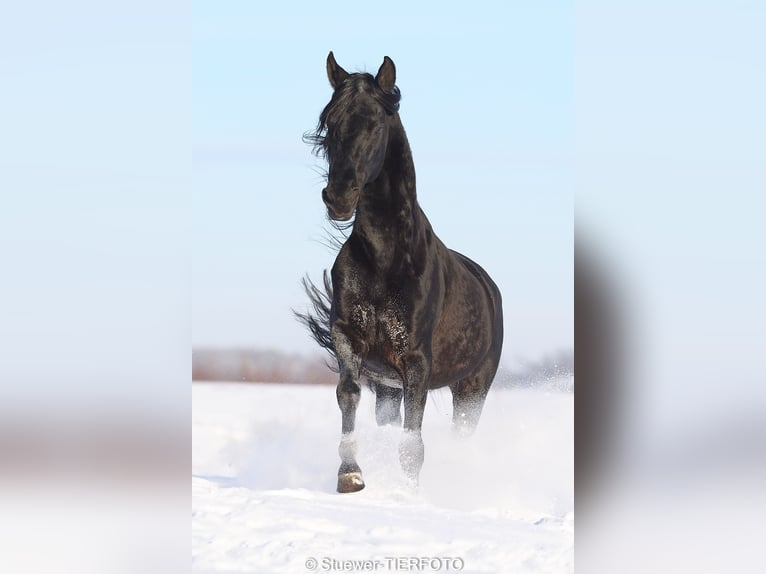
(411, 450)
(349, 473)
(348, 393)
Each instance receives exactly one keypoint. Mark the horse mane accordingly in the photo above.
(341, 98)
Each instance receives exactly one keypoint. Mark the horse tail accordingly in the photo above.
(318, 320)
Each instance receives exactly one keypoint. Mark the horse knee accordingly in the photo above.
(348, 392)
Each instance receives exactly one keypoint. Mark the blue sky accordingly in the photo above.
(487, 102)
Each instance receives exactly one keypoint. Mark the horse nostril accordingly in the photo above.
(325, 197)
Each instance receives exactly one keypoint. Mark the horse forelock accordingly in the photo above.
(343, 98)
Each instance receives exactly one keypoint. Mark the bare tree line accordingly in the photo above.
(553, 371)
(259, 366)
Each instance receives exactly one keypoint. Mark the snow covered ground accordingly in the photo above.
(264, 465)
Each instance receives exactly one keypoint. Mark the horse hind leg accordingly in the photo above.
(468, 397)
(388, 405)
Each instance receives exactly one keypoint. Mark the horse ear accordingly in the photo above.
(335, 73)
(386, 77)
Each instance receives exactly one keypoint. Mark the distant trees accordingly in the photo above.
(246, 365)
(554, 371)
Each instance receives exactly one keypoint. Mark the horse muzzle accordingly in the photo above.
(340, 207)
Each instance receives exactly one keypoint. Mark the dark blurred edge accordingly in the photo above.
(600, 364)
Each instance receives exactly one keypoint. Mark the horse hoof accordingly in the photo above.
(350, 482)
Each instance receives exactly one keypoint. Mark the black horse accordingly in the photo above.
(403, 311)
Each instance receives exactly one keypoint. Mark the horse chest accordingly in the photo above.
(383, 328)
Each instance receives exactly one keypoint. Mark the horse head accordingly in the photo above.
(353, 133)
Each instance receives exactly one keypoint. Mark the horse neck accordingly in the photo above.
(388, 217)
